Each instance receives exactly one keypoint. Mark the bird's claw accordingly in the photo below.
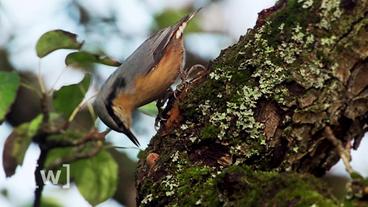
(191, 75)
(160, 106)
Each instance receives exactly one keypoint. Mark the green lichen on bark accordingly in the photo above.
(290, 60)
(237, 186)
(262, 111)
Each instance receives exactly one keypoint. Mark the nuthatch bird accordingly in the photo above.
(144, 77)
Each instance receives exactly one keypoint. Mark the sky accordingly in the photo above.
(32, 18)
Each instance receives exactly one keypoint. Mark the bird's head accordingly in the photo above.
(114, 117)
(124, 116)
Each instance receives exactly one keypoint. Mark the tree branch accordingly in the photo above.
(39, 180)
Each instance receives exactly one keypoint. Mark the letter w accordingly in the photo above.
(50, 176)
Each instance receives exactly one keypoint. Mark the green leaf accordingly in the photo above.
(56, 39)
(96, 178)
(69, 97)
(17, 144)
(356, 176)
(50, 202)
(47, 201)
(56, 155)
(9, 83)
(149, 109)
(84, 59)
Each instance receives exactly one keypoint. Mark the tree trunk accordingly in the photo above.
(276, 109)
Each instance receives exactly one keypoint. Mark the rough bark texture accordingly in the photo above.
(252, 133)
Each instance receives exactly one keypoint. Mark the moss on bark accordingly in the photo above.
(262, 111)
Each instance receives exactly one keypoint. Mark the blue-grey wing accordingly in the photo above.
(150, 52)
(142, 60)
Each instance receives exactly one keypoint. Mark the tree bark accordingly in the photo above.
(277, 109)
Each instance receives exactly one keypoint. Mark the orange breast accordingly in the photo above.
(151, 86)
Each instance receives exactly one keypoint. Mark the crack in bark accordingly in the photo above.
(350, 30)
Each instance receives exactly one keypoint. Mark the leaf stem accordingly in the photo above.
(40, 82)
(79, 108)
(57, 79)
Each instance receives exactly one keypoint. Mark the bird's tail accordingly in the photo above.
(182, 23)
(191, 15)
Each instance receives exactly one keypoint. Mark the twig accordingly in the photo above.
(39, 181)
(45, 108)
(78, 156)
(344, 153)
(41, 143)
(106, 132)
(93, 135)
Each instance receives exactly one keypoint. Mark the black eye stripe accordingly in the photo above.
(114, 117)
(118, 83)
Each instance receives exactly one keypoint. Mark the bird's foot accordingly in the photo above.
(191, 75)
(160, 106)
